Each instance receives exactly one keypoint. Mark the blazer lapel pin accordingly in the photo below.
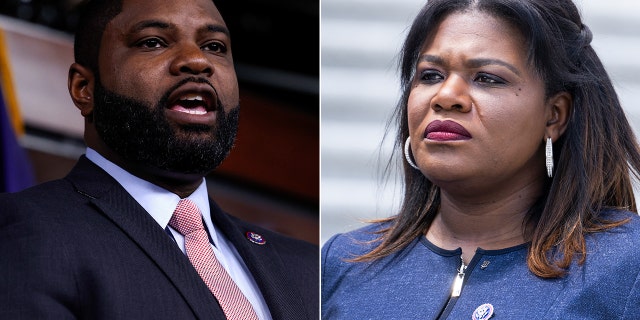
(255, 238)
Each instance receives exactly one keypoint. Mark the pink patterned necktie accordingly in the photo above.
(187, 220)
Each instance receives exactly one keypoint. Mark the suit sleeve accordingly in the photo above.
(36, 282)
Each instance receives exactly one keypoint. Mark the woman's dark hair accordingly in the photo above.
(594, 158)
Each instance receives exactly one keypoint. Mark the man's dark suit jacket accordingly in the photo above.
(82, 247)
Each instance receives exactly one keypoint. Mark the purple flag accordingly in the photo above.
(16, 172)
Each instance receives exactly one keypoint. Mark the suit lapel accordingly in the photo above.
(265, 265)
(117, 205)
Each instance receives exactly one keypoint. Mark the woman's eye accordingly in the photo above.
(215, 47)
(489, 79)
(151, 43)
(431, 76)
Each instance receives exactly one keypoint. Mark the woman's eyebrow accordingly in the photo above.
(472, 63)
(481, 62)
(433, 59)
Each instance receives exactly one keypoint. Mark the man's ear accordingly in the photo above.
(81, 84)
(559, 108)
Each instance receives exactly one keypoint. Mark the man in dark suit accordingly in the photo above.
(156, 85)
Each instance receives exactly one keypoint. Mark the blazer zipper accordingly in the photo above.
(458, 280)
(456, 289)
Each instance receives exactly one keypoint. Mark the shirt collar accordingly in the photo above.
(158, 202)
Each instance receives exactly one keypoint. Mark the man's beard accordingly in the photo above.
(141, 134)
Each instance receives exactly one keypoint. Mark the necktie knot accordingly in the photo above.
(186, 218)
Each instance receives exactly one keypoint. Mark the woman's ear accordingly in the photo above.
(81, 84)
(559, 108)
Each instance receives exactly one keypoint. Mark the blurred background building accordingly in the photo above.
(360, 40)
(271, 177)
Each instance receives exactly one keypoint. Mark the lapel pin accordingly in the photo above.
(483, 312)
(255, 238)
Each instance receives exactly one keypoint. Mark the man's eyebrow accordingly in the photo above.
(146, 24)
(473, 63)
(158, 24)
(214, 28)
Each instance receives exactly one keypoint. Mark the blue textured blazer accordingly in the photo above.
(83, 248)
(416, 281)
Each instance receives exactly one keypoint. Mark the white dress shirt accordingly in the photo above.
(160, 204)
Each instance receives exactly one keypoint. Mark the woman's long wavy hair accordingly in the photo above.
(595, 158)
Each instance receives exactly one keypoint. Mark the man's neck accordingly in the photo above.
(182, 185)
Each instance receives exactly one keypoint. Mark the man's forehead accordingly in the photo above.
(177, 12)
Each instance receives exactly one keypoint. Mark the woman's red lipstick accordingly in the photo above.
(446, 131)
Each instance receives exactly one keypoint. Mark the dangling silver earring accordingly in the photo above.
(407, 146)
(549, 157)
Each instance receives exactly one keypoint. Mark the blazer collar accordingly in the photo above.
(118, 206)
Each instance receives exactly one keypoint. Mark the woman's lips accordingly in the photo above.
(446, 131)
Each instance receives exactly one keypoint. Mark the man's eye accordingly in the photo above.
(215, 47)
(151, 43)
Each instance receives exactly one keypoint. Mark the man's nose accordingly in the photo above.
(192, 60)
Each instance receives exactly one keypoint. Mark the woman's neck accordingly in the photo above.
(489, 224)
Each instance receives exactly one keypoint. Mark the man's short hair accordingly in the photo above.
(94, 15)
